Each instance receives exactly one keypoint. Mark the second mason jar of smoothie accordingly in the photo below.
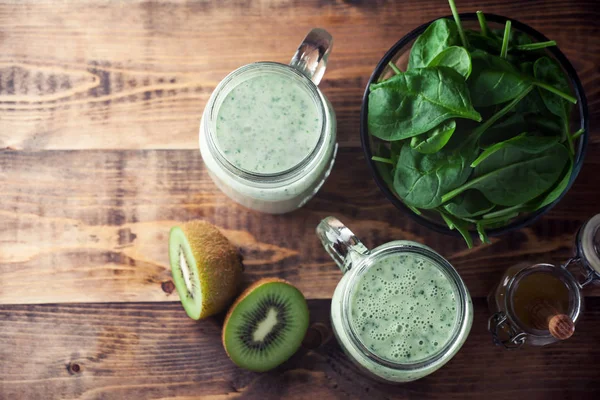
(267, 135)
(400, 311)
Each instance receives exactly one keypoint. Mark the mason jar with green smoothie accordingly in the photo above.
(268, 134)
(400, 311)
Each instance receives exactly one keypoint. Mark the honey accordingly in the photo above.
(538, 287)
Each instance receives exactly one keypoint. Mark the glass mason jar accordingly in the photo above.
(523, 286)
(396, 305)
(285, 190)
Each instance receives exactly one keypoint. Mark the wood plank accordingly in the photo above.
(95, 74)
(153, 351)
(92, 226)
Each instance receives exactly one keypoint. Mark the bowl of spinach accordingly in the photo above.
(474, 124)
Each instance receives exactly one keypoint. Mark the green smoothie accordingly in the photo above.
(268, 124)
(404, 308)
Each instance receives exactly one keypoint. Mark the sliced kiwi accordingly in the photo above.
(266, 325)
(206, 268)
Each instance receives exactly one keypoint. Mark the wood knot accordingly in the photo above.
(73, 368)
(317, 335)
(167, 287)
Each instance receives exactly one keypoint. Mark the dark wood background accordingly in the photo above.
(100, 103)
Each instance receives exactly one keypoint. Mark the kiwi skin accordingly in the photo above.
(219, 266)
(240, 298)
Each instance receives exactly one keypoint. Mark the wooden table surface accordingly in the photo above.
(100, 103)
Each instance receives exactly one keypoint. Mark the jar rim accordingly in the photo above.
(224, 88)
(462, 300)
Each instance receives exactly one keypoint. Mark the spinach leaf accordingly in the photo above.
(546, 125)
(482, 128)
(520, 39)
(479, 42)
(494, 80)
(416, 101)
(528, 144)
(557, 190)
(458, 224)
(548, 71)
(421, 179)
(433, 140)
(508, 128)
(455, 57)
(469, 204)
(438, 36)
(513, 176)
(532, 103)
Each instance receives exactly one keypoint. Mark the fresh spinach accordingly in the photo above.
(416, 101)
(528, 144)
(547, 125)
(438, 36)
(484, 146)
(548, 71)
(494, 80)
(490, 44)
(455, 57)
(421, 179)
(433, 140)
(557, 190)
(509, 127)
(459, 225)
(469, 204)
(481, 129)
(513, 176)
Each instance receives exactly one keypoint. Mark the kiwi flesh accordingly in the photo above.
(206, 268)
(266, 325)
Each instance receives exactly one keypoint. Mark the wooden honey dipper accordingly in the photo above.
(545, 316)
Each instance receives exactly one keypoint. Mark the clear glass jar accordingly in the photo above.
(286, 190)
(355, 261)
(523, 285)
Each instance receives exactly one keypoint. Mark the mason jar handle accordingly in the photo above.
(311, 56)
(341, 244)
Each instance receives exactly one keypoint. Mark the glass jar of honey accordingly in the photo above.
(536, 305)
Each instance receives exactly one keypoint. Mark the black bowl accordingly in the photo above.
(579, 119)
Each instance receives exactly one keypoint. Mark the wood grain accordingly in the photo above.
(93, 226)
(105, 75)
(153, 351)
(100, 103)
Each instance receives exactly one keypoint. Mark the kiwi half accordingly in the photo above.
(206, 268)
(266, 325)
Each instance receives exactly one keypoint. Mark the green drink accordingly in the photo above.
(400, 311)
